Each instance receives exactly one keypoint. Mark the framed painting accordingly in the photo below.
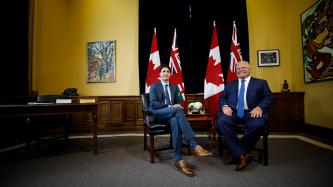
(317, 41)
(101, 61)
(268, 58)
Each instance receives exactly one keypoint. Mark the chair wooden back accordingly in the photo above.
(145, 101)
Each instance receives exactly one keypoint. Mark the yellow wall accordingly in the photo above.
(63, 28)
(275, 24)
(268, 30)
(50, 46)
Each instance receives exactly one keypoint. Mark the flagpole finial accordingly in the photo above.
(154, 29)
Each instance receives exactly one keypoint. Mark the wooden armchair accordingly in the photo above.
(153, 129)
(262, 151)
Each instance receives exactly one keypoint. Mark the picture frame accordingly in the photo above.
(317, 45)
(268, 58)
(101, 61)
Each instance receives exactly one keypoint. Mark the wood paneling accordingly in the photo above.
(130, 111)
(116, 111)
(104, 112)
(119, 113)
(286, 112)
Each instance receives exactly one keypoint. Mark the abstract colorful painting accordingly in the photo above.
(101, 61)
(317, 41)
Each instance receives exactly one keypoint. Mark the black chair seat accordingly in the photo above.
(159, 128)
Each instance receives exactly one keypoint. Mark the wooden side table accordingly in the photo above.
(205, 118)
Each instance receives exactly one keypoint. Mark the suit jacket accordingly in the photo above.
(157, 96)
(258, 94)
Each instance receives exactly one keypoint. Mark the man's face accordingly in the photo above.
(165, 74)
(243, 70)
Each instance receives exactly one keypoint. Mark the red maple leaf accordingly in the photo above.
(214, 73)
(153, 75)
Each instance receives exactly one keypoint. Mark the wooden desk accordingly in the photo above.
(202, 118)
(49, 109)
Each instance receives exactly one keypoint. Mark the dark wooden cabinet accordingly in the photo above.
(287, 111)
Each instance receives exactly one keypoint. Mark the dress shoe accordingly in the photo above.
(199, 151)
(244, 161)
(181, 165)
(230, 160)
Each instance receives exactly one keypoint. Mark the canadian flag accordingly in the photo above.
(214, 83)
(153, 72)
(176, 70)
(235, 55)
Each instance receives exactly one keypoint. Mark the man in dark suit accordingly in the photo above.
(244, 100)
(164, 104)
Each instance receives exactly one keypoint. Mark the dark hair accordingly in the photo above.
(164, 66)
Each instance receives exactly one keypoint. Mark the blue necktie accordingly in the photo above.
(240, 110)
(167, 97)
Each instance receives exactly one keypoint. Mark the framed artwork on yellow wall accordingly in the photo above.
(268, 58)
(317, 41)
(101, 61)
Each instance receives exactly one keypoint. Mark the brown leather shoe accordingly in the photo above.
(181, 165)
(198, 151)
(244, 161)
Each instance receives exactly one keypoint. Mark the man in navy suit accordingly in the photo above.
(244, 100)
(164, 104)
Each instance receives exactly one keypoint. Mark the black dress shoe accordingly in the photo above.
(230, 160)
(244, 161)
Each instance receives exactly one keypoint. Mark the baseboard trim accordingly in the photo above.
(322, 132)
(299, 137)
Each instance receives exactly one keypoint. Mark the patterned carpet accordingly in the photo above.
(122, 162)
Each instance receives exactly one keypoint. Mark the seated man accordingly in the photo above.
(164, 104)
(245, 100)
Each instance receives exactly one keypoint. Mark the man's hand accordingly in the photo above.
(177, 106)
(227, 110)
(256, 112)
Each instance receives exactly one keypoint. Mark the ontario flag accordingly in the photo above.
(153, 72)
(214, 83)
(235, 55)
(176, 70)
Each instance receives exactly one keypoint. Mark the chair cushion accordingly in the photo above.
(158, 128)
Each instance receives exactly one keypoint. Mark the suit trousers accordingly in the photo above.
(179, 125)
(251, 133)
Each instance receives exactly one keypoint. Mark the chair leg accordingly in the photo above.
(152, 149)
(66, 127)
(265, 149)
(220, 145)
(145, 140)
